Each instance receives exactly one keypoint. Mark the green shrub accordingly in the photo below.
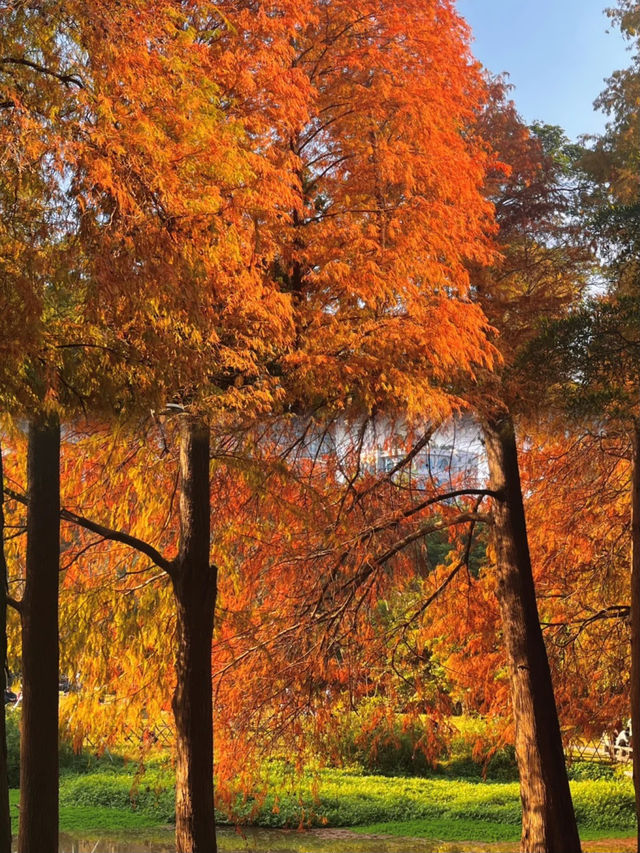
(71, 762)
(352, 798)
(380, 743)
(392, 753)
(12, 717)
(591, 770)
(396, 746)
(501, 767)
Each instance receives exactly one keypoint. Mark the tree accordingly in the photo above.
(577, 480)
(5, 817)
(39, 617)
(33, 91)
(123, 205)
(204, 295)
(598, 346)
(616, 157)
(389, 208)
(541, 272)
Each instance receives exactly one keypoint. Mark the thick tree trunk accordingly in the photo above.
(635, 615)
(194, 584)
(38, 830)
(5, 819)
(548, 819)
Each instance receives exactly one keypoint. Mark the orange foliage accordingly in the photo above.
(267, 207)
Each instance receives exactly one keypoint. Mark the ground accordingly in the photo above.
(351, 812)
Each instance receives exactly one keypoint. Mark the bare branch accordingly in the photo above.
(452, 574)
(120, 536)
(130, 590)
(67, 79)
(425, 530)
(396, 520)
(12, 602)
(107, 533)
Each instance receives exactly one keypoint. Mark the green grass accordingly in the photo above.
(94, 820)
(118, 798)
(443, 829)
(486, 812)
(469, 830)
(350, 799)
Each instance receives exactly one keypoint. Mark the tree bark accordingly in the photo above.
(38, 828)
(194, 585)
(635, 615)
(5, 817)
(548, 819)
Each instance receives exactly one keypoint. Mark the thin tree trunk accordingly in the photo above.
(38, 830)
(635, 615)
(194, 585)
(5, 818)
(548, 819)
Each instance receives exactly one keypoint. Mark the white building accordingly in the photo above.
(453, 454)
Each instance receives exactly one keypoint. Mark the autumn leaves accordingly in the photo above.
(226, 227)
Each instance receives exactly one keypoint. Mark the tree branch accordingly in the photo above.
(426, 529)
(67, 79)
(119, 536)
(406, 514)
(452, 574)
(107, 533)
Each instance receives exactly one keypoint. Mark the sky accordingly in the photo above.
(557, 52)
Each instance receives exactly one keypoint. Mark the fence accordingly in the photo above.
(161, 735)
(604, 751)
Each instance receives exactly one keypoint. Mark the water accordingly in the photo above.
(276, 841)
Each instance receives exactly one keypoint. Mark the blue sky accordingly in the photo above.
(557, 53)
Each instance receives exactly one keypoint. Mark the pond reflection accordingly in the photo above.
(273, 841)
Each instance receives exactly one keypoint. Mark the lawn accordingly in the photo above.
(115, 799)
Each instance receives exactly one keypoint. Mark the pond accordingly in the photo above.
(275, 841)
(314, 841)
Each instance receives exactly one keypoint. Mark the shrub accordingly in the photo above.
(402, 745)
(12, 716)
(71, 762)
(604, 804)
(389, 744)
(591, 770)
(500, 767)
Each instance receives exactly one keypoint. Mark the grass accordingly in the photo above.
(94, 820)
(351, 799)
(112, 799)
(444, 829)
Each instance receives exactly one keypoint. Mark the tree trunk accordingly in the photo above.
(548, 819)
(635, 615)
(38, 830)
(194, 585)
(5, 818)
